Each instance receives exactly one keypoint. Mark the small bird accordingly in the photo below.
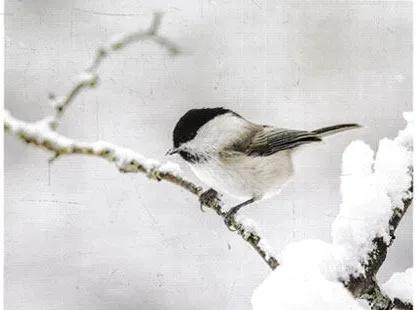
(243, 159)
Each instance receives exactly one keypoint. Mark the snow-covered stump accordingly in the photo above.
(376, 192)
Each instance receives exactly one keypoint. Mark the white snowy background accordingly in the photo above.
(81, 235)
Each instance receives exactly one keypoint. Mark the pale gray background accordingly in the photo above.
(80, 235)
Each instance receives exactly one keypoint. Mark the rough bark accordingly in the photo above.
(365, 285)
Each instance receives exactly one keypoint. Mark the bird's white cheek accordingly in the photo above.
(219, 132)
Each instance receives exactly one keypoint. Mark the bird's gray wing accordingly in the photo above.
(269, 140)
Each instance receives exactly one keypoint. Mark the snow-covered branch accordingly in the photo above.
(40, 134)
(376, 192)
(43, 134)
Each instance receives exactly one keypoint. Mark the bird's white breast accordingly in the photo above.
(232, 172)
(246, 177)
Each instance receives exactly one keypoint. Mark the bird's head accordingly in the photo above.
(200, 132)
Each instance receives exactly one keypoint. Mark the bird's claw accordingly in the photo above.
(208, 199)
(202, 207)
(229, 219)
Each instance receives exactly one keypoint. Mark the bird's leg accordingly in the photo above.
(228, 218)
(207, 198)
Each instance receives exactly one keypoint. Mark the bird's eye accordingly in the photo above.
(186, 156)
(191, 158)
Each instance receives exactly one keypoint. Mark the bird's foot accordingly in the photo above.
(229, 218)
(210, 199)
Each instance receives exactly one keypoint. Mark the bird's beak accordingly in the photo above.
(172, 151)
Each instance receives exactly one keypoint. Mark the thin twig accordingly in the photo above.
(90, 77)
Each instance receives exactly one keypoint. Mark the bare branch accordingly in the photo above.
(90, 77)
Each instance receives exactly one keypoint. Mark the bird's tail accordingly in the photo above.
(330, 130)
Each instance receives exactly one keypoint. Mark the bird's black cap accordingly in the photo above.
(188, 125)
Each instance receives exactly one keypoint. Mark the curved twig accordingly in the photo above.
(90, 77)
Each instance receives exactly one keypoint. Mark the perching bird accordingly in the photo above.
(235, 156)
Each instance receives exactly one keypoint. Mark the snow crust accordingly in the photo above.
(400, 286)
(300, 282)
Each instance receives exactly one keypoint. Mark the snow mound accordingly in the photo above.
(400, 286)
(300, 282)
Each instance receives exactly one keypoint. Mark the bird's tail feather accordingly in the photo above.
(330, 130)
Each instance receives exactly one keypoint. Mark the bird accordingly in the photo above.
(240, 158)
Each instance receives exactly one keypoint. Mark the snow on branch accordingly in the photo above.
(374, 189)
(301, 282)
(400, 289)
(43, 134)
(376, 192)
